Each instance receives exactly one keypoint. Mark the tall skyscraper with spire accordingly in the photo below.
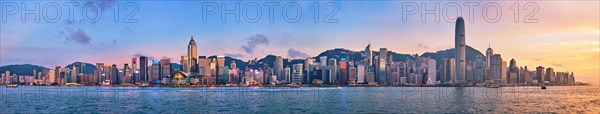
(488, 53)
(192, 56)
(459, 45)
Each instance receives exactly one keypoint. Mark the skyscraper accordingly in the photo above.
(333, 76)
(126, 74)
(549, 75)
(278, 68)
(382, 73)
(447, 70)
(352, 73)
(487, 69)
(233, 73)
(524, 75)
(98, 73)
(383, 54)
(185, 67)
(459, 45)
(7, 74)
(513, 72)
(488, 54)
(479, 69)
(503, 77)
(323, 60)
(155, 72)
(431, 72)
(56, 73)
(343, 71)
(204, 68)
(287, 73)
(115, 77)
(297, 73)
(143, 69)
(382, 64)
(495, 67)
(212, 68)
(220, 70)
(368, 58)
(192, 54)
(165, 70)
(360, 74)
(51, 76)
(134, 71)
(539, 74)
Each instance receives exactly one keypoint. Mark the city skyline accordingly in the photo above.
(547, 43)
(386, 71)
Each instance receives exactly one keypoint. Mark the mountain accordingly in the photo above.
(471, 54)
(88, 69)
(340, 53)
(357, 55)
(238, 63)
(337, 53)
(174, 65)
(23, 69)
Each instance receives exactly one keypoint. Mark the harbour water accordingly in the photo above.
(72, 99)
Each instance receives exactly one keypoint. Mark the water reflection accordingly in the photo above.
(49, 99)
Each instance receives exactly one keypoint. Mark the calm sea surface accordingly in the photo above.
(44, 99)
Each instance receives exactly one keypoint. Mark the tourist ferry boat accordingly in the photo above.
(492, 86)
(105, 83)
(144, 85)
(12, 86)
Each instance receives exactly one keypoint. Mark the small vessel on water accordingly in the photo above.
(144, 85)
(492, 86)
(12, 86)
(294, 85)
(543, 87)
(105, 83)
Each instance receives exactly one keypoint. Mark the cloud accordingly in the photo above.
(165, 57)
(237, 56)
(557, 65)
(79, 36)
(138, 55)
(295, 54)
(422, 46)
(102, 4)
(254, 41)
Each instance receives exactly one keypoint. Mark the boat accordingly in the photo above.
(12, 86)
(543, 87)
(338, 87)
(105, 83)
(294, 86)
(144, 85)
(492, 86)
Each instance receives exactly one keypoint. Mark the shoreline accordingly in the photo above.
(209, 86)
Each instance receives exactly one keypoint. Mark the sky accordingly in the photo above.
(564, 35)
